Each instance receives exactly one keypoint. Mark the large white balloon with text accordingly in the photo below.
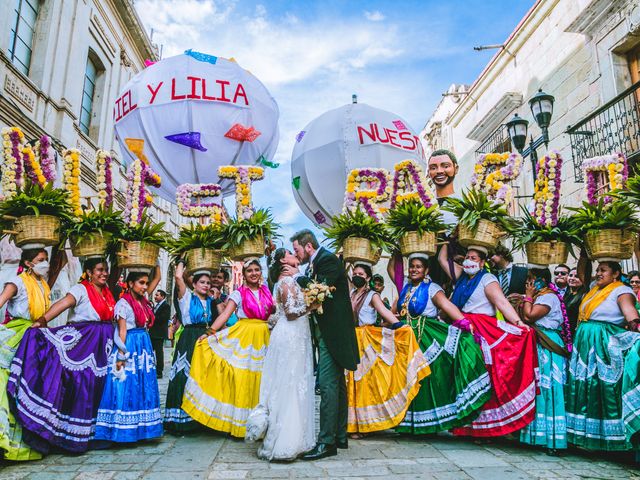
(338, 141)
(196, 112)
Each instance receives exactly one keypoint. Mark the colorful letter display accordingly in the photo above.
(243, 176)
(187, 191)
(104, 178)
(409, 182)
(71, 178)
(138, 177)
(546, 194)
(605, 174)
(494, 171)
(373, 197)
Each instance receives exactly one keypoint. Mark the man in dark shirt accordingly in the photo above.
(158, 332)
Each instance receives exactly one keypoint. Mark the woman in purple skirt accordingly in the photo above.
(58, 374)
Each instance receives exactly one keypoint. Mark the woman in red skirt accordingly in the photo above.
(509, 348)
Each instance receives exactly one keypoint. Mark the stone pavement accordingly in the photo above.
(208, 455)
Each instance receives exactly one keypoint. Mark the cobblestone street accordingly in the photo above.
(211, 456)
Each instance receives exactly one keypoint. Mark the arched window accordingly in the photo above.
(23, 24)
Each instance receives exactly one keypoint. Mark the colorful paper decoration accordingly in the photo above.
(300, 136)
(296, 183)
(201, 57)
(605, 174)
(494, 171)
(409, 182)
(399, 124)
(188, 139)
(546, 196)
(319, 217)
(242, 134)
(186, 192)
(243, 176)
(372, 197)
(267, 163)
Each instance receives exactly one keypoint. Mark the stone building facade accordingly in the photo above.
(62, 66)
(583, 52)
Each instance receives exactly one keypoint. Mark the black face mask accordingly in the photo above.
(358, 282)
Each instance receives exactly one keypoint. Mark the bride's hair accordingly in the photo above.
(275, 265)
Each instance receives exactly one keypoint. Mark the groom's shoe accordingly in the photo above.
(321, 450)
(342, 445)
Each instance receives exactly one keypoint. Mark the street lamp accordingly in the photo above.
(541, 105)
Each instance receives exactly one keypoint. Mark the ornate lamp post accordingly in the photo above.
(541, 105)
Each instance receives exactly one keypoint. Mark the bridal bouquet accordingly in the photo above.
(316, 293)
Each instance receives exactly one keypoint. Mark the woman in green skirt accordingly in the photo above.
(459, 384)
(197, 312)
(603, 394)
(27, 297)
(544, 310)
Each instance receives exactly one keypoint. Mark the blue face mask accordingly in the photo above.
(539, 284)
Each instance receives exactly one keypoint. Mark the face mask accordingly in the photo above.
(470, 267)
(358, 282)
(41, 269)
(539, 284)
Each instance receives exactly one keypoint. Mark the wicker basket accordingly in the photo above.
(137, 255)
(610, 244)
(547, 253)
(30, 231)
(487, 235)
(203, 259)
(253, 247)
(357, 249)
(94, 245)
(413, 242)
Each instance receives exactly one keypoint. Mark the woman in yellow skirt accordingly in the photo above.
(391, 362)
(226, 368)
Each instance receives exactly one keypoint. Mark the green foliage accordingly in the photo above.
(260, 223)
(476, 205)
(195, 235)
(97, 222)
(413, 216)
(36, 200)
(147, 232)
(357, 224)
(529, 230)
(615, 215)
(631, 192)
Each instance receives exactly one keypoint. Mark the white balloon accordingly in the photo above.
(203, 95)
(353, 136)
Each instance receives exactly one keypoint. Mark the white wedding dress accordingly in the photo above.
(285, 415)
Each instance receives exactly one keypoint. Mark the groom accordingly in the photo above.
(336, 339)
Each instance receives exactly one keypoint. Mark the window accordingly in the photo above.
(23, 24)
(633, 58)
(90, 77)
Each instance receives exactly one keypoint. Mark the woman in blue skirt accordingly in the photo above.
(130, 406)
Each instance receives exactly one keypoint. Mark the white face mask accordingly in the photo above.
(41, 269)
(470, 267)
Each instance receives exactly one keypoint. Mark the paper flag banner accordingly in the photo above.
(320, 218)
(188, 139)
(399, 124)
(242, 134)
(202, 57)
(136, 145)
(296, 183)
(299, 136)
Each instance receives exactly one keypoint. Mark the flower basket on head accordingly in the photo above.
(140, 245)
(610, 244)
(609, 229)
(33, 215)
(95, 245)
(547, 253)
(360, 236)
(31, 231)
(356, 249)
(203, 259)
(414, 227)
(481, 220)
(248, 237)
(486, 234)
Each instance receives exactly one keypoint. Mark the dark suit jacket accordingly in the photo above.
(518, 280)
(161, 323)
(336, 322)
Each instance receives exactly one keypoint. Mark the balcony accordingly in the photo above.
(497, 142)
(614, 127)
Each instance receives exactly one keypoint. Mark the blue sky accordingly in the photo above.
(398, 56)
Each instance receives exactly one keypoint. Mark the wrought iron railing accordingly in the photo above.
(497, 142)
(614, 127)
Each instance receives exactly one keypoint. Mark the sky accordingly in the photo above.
(399, 56)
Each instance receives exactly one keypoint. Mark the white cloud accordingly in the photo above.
(375, 16)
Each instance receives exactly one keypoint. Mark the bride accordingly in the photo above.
(285, 413)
